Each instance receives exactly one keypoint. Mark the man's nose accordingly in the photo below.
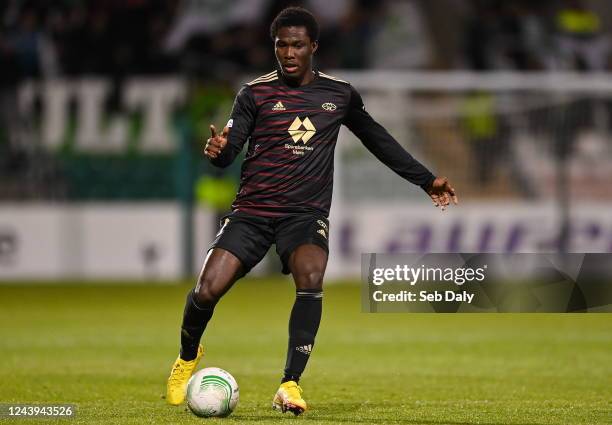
(289, 53)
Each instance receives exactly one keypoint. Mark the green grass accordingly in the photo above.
(108, 349)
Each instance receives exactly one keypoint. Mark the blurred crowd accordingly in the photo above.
(48, 38)
(542, 35)
(216, 42)
(62, 37)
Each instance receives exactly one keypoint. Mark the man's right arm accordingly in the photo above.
(240, 125)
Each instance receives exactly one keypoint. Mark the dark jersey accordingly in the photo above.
(291, 134)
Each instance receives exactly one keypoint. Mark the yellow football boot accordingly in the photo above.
(289, 398)
(179, 376)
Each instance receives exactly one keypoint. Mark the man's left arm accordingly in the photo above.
(384, 147)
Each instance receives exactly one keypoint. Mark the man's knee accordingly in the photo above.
(309, 276)
(221, 269)
(208, 291)
(307, 265)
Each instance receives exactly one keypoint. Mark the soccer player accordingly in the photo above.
(291, 118)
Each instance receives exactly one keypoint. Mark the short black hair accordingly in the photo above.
(295, 17)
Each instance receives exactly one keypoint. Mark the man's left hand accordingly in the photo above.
(442, 193)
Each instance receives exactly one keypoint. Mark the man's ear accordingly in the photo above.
(315, 46)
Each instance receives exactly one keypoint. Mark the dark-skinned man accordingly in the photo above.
(291, 118)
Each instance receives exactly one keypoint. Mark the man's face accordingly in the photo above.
(294, 50)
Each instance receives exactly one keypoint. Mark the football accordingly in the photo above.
(212, 392)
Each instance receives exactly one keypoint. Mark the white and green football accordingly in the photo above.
(212, 392)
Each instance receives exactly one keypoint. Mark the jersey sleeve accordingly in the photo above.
(384, 147)
(240, 125)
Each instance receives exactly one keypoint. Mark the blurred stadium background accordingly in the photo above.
(104, 107)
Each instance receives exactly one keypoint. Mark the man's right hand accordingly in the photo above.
(216, 143)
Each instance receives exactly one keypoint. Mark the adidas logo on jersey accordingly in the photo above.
(278, 106)
(306, 349)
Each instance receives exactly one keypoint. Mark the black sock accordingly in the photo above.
(195, 319)
(303, 327)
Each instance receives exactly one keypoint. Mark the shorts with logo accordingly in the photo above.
(249, 237)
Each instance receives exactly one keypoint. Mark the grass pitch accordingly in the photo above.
(108, 349)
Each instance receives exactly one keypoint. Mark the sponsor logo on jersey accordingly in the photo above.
(230, 123)
(322, 224)
(322, 233)
(306, 349)
(301, 130)
(328, 106)
(279, 106)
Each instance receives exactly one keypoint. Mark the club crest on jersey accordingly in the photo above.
(328, 106)
(278, 106)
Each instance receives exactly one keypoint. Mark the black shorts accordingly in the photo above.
(249, 237)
